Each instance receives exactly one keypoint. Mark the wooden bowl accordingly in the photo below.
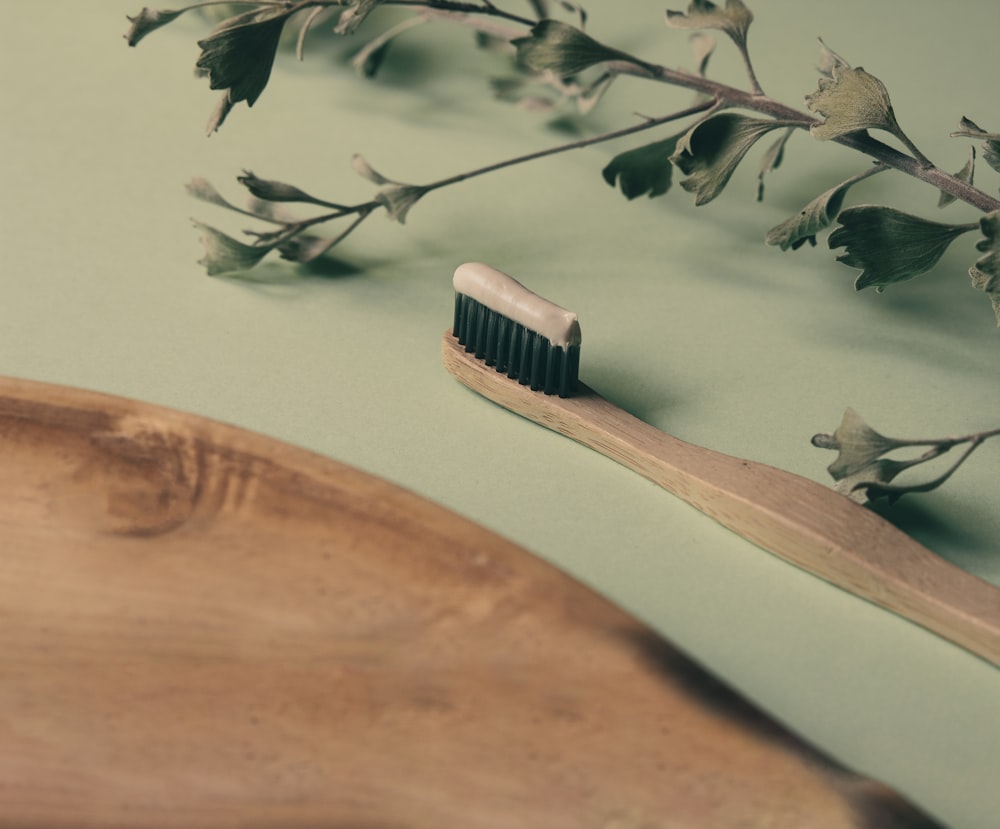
(204, 627)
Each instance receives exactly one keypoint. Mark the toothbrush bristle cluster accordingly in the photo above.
(516, 331)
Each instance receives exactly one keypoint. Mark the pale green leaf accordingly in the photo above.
(965, 174)
(851, 100)
(816, 216)
(557, 47)
(734, 19)
(710, 151)
(890, 245)
(857, 445)
(863, 473)
(645, 169)
(223, 254)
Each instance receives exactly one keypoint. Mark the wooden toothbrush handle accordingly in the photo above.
(803, 522)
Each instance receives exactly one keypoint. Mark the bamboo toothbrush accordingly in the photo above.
(522, 352)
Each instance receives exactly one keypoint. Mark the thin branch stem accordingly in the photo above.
(917, 167)
(206, 3)
(948, 443)
(463, 8)
(895, 490)
(917, 154)
(574, 145)
(748, 66)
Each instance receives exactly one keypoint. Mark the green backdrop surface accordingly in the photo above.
(689, 321)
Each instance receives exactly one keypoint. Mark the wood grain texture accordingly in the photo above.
(203, 627)
(807, 524)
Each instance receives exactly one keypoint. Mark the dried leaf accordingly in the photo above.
(990, 245)
(587, 96)
(276, 191)
(890, 245)
(991, 152)
(365, 170)
(868, 483)
(398, 199)
(829, 60)
(305, 247)
(734, 19)
(219, 114)
(851, 100)
(772, 160)
(149, 20)
(990, 285)
(203, 189)
(238, 57)
(300, 41)
(562, 49)
(710, 151)
(857, 445)
(519, 91)
(354, 15)
(985, 273)
(371, 56)
(645, 169)
(703, 46)
(223, 254)
(816, 216)
(965, 174)
(991, 141)
(575, 9)
(863, 473)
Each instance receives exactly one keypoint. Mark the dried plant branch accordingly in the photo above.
(557, 63)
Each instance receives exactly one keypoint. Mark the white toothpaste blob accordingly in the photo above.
(507, 296)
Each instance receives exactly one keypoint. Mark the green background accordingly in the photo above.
(689, 320)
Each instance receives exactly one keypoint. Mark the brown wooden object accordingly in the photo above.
(203, 627)
(803, 522)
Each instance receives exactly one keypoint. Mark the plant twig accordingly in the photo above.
(647, 123)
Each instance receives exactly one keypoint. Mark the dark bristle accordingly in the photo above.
(521, 354)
